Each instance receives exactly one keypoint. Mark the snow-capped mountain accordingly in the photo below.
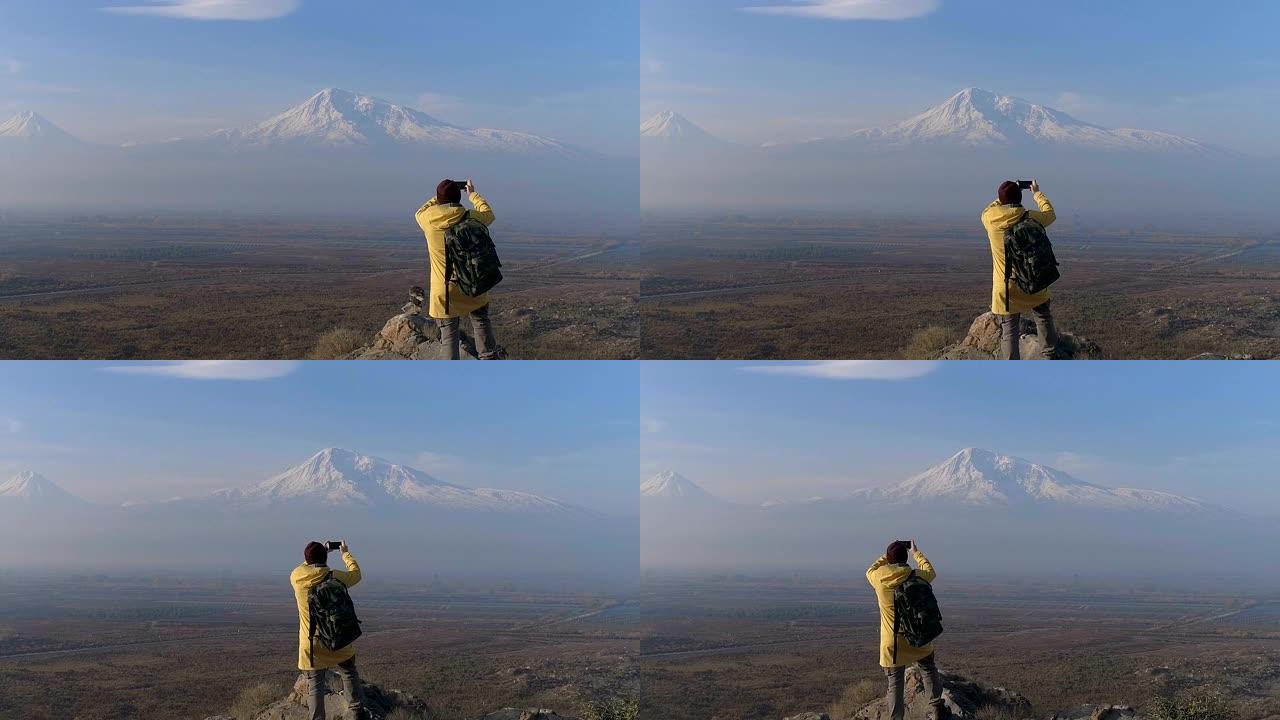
(35, 489)
(672, 128)
(671, 485)
(982, 478)
(341, 478)
(34, 129)
(978, 118)
(334, 118)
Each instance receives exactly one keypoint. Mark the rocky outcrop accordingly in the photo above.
(962, 697)
(412, 335)
(969, 700)
(379, 704)
(982, 342)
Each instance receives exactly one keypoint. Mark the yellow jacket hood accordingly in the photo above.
(441, 217)
(1001, 217)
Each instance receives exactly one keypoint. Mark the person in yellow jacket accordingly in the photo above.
(896, 653)
(435, 217)
(316, 660)
(1007, 300)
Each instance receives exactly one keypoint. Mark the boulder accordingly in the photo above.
(982, 342)
(962, 697)
(411, 335)
(378, 703)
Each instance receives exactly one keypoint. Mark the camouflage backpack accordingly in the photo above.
(333, 616)
(471, 260)
(915, 613)
(1028, 256)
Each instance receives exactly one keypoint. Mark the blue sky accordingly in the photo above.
(1210, 70)
(568, 430)
(1205, 429)
(567, 70)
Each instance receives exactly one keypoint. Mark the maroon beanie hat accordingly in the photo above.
(449, 192)
(316, 553)
(1009, 193)
(897, 551)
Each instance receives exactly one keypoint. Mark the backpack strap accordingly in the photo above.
(311, 620)
(1008, 269)
(448, 261)
(895, 620)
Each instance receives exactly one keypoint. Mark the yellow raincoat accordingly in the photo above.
(434, 219)
(996, 218)
(303, 578)
(884, 578)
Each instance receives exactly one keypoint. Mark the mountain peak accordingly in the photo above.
(31, 486)
(670, 126)
(33, 127)
(337, 477)
(671, 484)
(977, 117)
(978, 477)
(339, 118)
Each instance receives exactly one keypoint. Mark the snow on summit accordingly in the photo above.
(670, 484)
(336, 477)
(340, 118)
(672, 127)
(32, 487)
(984, 478)
(977, 117)
(32, 127)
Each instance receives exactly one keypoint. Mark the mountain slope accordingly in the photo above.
(335, 118)
(341, 478)
(34, 129)
(980, 118)
(672, 128)
(35, 489)
(981, 478)
(672, 486)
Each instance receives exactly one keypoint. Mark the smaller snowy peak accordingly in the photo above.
(672, 485)
(32, 127)
(672, 127)
(34, 488)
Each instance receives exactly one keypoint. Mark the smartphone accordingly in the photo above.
(1024, 184)
(335, 544)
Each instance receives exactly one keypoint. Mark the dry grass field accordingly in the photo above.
(737, 287)
(167, 647)
(765, 648)
(147, 288)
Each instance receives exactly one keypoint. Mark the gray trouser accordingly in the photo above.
(350, 687)
(486, 345)
(1011, 332)
(932, 685)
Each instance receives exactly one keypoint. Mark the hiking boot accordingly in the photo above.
(498, 354)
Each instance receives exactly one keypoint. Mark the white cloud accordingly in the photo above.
(12, 425)
(651, 425)
(11, 66)
(852, 9)
(652, 65)
(850, 369)
(212, 369)
(212, 9)
(436, 462)
(438, 104)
